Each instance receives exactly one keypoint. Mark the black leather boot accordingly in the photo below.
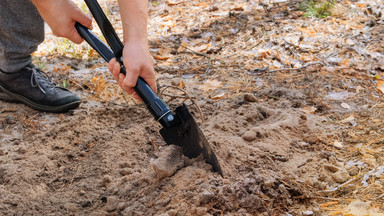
(32, 87)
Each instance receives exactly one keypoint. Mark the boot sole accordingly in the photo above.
(12, 97)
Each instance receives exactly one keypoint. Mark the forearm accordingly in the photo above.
(38, 3)
(134, 15)
(43, 6)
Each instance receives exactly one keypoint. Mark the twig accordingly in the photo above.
(326, 198)
(299, 68)
(338, 187)
(174, 96)
(302, 67)
(193, 51)
(260, 41)
(197, 53)
(379, 197)
(153, 142)
(189, 97)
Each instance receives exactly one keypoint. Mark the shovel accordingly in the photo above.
(179, 127)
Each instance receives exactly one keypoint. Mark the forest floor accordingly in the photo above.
(290, 101)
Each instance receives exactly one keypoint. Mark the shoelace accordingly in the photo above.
(39, 78)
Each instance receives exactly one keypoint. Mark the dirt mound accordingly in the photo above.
(99, 161)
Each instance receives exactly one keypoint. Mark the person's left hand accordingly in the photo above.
(138, 62)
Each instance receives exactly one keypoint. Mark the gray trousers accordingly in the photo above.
(21, 31)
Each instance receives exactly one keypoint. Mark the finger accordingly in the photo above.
(83, 19)
(114, 68)
(75, 37)
(120, 81)
(150, 78)
(130, 89)
(137, 97)
(110, 65)
(116, 71)
(134, 94)
(152, 83)
(131, 77)
(153, 86)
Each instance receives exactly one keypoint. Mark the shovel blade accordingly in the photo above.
(188, 135)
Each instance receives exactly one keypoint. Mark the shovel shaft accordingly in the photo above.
(158, 108)
(105, 27)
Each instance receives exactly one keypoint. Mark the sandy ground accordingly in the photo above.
(98, 159)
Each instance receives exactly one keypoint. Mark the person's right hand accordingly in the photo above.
(138, 63)
(61, 16)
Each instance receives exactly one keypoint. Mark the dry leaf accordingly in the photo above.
(358, 88)
(336, 213)
(171, 3)
(350, 118)
(380, 64)
(296, 14)
(210, 85)
(218, 96)
(181, 84)
(329, 204)
(345, 106)
(358, 207)
(201, 48)
(310, 110)
(345, 62)
(161, 57)
(338, 144)
(380, 85)
(202, 4)
(238, 8)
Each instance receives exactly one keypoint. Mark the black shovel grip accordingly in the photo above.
(158, 108)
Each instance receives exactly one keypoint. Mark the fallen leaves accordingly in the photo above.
(62, 69)
(380, 64)
(327, 204)
(105, 90)
(338, 144)
(380, 85)
(172, 3)
(358, 207)
(163, 58)
(218, 96)
(345, 106)
(210, 84)
(309, 110)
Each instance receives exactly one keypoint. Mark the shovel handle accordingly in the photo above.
(106, 27)
(158, 108)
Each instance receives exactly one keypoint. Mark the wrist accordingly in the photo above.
(40, 4)
(141, 41)
(134, 33)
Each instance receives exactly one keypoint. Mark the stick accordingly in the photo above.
(189, 97)
(197, 53)
(299, 68)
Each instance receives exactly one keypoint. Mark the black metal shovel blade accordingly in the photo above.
(188, 135)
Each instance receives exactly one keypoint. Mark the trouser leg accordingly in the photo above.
(21, 31)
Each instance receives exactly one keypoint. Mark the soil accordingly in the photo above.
(98, 160)
(274, 135)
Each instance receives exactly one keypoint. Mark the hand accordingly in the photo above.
(61, 16)
(137, 62)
